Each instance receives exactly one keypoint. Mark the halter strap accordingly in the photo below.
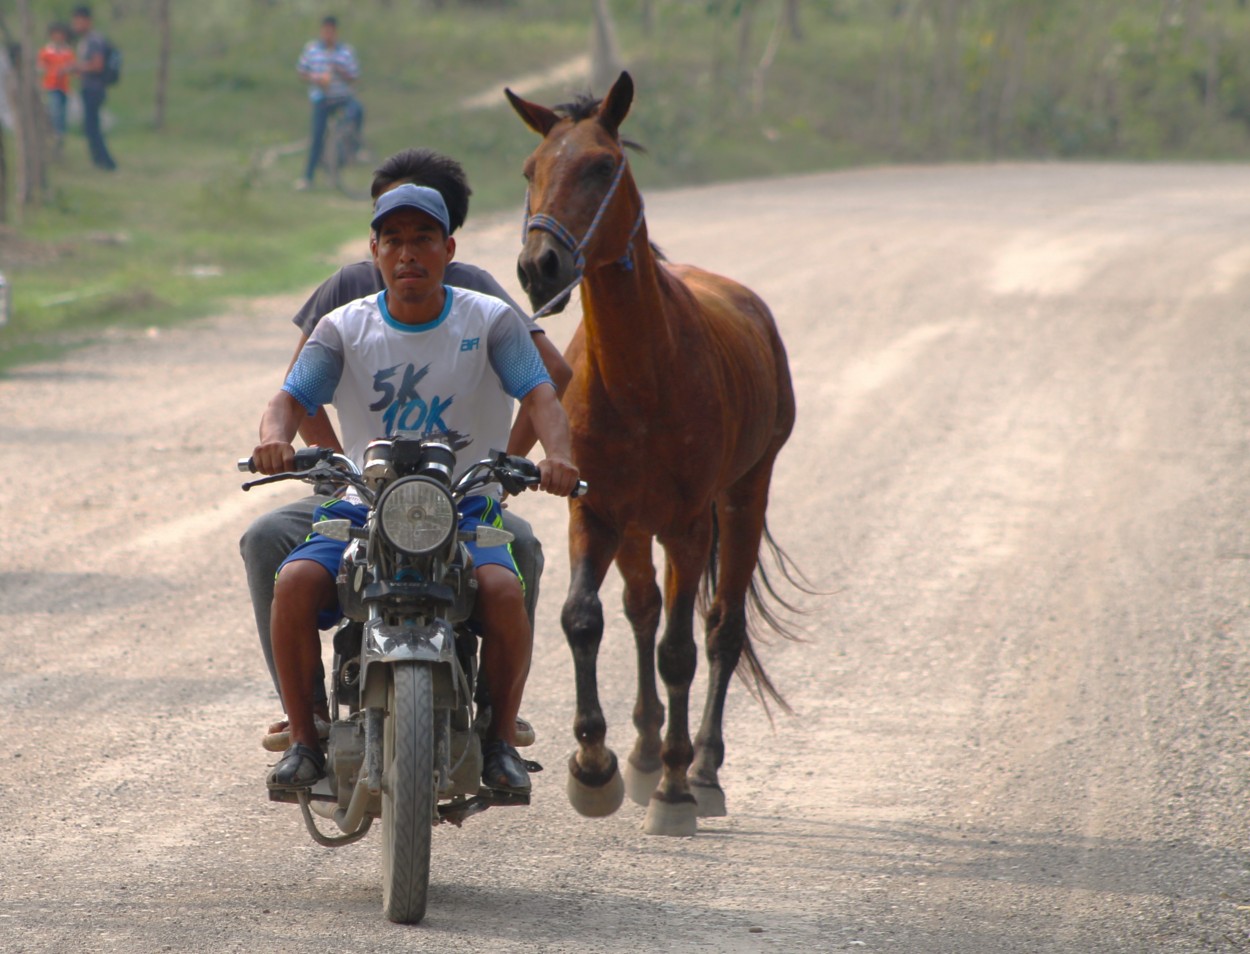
(549, 224)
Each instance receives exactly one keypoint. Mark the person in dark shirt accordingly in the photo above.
(91, 85)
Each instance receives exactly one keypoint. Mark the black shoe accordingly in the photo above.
(503, 769)
(300, 767)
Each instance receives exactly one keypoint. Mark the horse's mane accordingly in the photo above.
(585, 106)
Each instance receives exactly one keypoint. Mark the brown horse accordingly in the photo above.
(679, 404)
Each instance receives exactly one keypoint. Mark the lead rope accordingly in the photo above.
(550, 225)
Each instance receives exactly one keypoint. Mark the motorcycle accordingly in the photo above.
(406, 710)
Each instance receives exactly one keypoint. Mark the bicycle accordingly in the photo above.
(344, 157)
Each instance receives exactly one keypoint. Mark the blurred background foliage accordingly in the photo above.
(202, 207)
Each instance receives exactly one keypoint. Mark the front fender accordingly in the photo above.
(433, 644)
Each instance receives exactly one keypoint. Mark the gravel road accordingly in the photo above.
(1020, 475)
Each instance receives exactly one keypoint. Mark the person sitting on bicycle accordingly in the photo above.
(423, 359)
(329, 67)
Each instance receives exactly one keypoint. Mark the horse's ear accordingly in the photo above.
(538, 118)
(616, 104)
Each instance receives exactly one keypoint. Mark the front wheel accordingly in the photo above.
(407, 792)
(347, 170)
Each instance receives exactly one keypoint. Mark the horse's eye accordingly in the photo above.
(601, 170)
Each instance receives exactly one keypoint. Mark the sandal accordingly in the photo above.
(300, 768)
(278, 738)
(525, 734)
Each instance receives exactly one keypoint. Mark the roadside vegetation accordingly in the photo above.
(203, 208)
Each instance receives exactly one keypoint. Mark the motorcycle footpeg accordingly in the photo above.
(292, 796)
(499, 798)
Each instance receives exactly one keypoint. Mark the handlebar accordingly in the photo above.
(514, 474)
(306, 458)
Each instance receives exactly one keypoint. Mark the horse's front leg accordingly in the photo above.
(595, 787)
(642, 608)
(673, 809)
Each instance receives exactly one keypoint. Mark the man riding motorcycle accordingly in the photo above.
(418, 358)
(272, 536)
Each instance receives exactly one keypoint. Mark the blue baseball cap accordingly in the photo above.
(409, 196)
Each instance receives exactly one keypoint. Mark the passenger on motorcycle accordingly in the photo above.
(272, 536)
(422, 359)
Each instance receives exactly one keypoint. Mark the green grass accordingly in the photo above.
(204, 209)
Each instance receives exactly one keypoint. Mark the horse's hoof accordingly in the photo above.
(594, 797)
(673, 819)
(711, 799)
(640, 783)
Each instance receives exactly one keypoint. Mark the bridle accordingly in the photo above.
(549, 224)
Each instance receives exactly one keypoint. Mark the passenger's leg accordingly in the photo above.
(265, 544)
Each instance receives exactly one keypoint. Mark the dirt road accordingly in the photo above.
(1020, 472)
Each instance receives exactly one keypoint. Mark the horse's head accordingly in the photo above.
(583, 209)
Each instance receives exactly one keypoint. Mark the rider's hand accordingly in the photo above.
(273, 457)
(559, 476)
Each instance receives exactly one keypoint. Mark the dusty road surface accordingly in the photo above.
(1020, 474)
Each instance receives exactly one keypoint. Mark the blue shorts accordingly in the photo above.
(474, 511)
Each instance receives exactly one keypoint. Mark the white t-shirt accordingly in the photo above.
(455, 376)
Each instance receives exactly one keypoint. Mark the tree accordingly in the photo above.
(28, 119)
(791, 14)
(162, 63)
(605, 59)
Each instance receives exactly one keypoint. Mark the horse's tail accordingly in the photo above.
(766, 608)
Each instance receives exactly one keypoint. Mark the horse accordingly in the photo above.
(680, 401)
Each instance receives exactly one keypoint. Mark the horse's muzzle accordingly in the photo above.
(545, 269)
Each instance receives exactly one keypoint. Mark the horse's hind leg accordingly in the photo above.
(673, 809)
(595, 788)
(740, 514)
(642, 609)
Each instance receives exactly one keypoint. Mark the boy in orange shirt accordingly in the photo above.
(56, 59)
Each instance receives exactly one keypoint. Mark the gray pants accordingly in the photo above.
(271, 537)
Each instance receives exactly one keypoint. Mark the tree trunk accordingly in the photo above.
(793, 26)
(765, 64)
(605, 59)
(1212, 91)
(4, 158)
(162, 63)
(947, 77)
(648, 17)
(746, 26)
(31, 181)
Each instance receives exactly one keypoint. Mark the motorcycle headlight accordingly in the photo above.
(416, 515)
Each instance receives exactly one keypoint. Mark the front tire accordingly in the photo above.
(407, 792)
(349, 175)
